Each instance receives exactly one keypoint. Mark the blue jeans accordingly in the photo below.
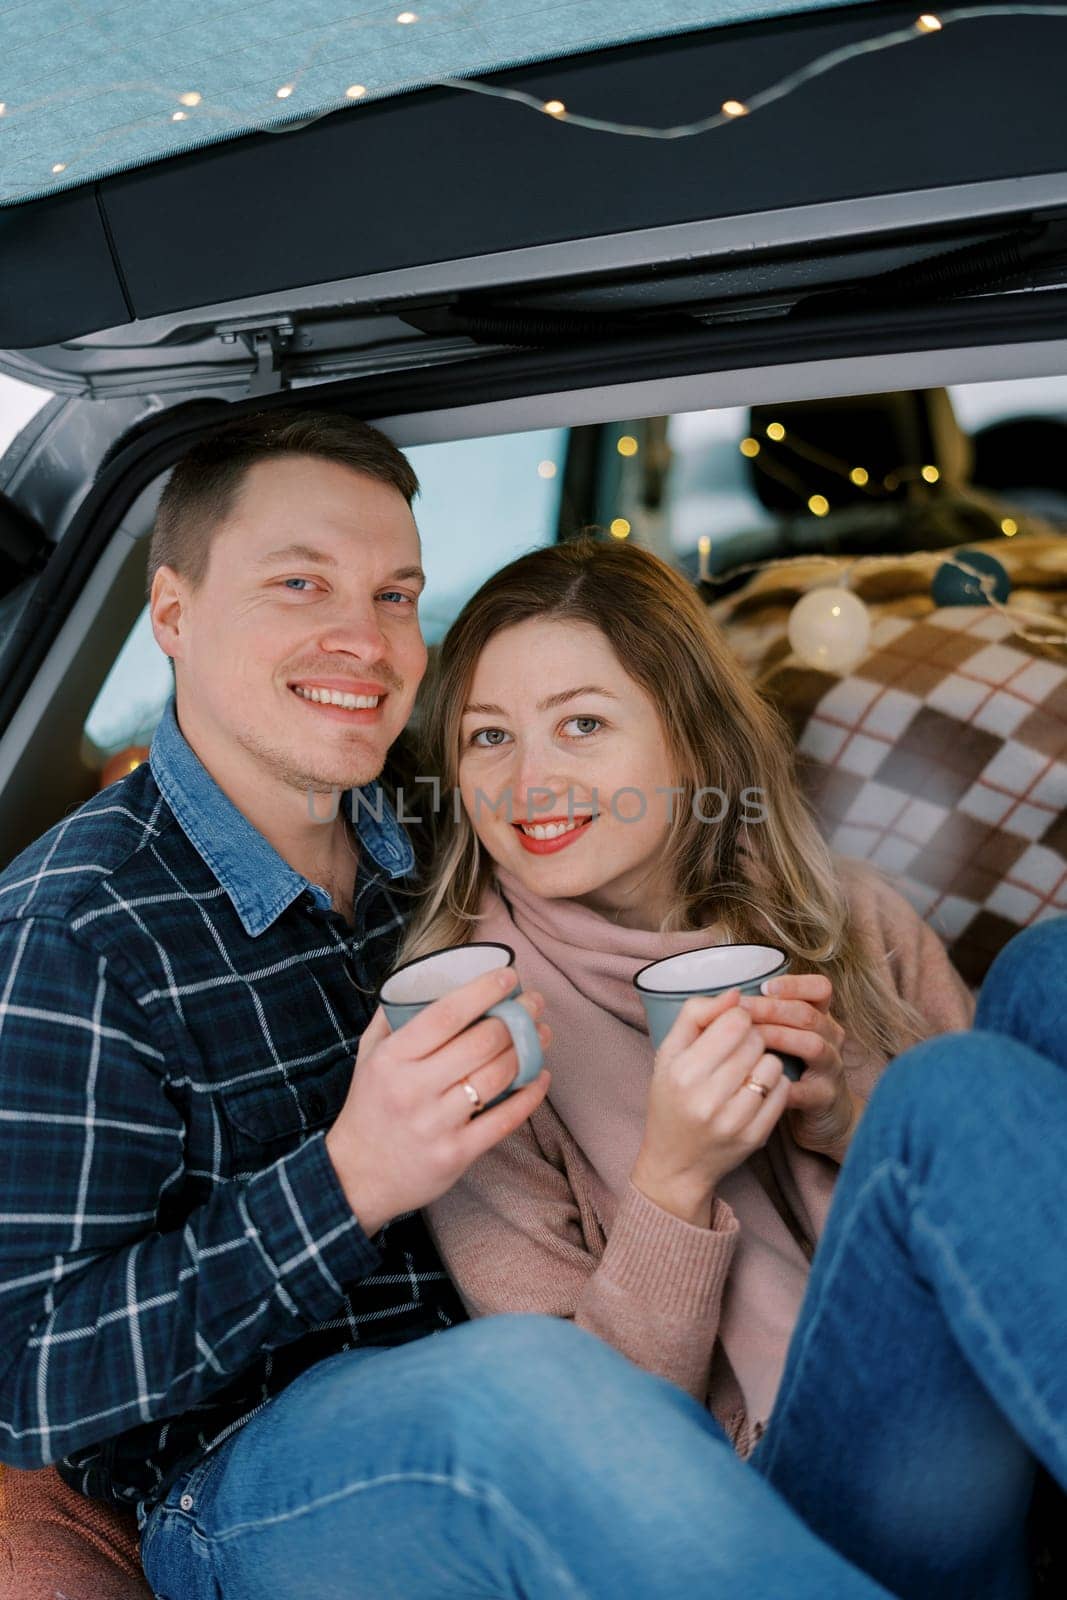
(513, 1456)
(520, 1457)
(928, 1368)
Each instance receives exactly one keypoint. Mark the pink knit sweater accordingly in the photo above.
(532, 1226)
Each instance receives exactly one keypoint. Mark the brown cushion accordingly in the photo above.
(55, 1541)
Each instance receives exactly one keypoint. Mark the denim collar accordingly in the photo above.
(258, 881)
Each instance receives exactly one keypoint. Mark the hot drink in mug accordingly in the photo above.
(665, 986)
(412, 987)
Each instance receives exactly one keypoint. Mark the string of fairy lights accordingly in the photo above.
(830, 625)
(190, 104)
(858, 476)
(754, 450)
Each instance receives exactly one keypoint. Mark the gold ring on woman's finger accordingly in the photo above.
(757, 1088)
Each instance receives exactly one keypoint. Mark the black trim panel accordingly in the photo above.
(58, 271)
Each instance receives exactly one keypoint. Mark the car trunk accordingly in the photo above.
(449, 263)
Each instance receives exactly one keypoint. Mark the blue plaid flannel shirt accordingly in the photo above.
(179, 1016)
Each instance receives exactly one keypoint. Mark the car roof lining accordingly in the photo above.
(441, 176)
(115, 116)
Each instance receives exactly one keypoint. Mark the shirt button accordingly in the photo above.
(186, 1502)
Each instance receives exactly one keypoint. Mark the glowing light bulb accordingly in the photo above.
(355, 91)
(931, 474)
(285, 91)
(191, 98)
(1010, 527)
(928, 23)
(818, 505)
(627, 445)
(704, 549)
(405, 18)
(555, 108)
(60, 166)
(860, 477)
(620, 528)
(179, 116)
(546, 469)
(775, 431)
(734, 108)
(749, 448)
(830, 628)
(3, 107)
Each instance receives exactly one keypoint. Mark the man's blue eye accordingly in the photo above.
(296, 580)
(397, 594)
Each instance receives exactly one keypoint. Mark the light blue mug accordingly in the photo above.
(665, 985)
(411, 988)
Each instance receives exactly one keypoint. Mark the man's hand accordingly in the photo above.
(405, 1134)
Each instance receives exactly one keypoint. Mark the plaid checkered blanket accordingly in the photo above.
(942, 757)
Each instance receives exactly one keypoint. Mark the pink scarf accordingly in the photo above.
(601, 1063)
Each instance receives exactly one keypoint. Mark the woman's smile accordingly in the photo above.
(551, 833)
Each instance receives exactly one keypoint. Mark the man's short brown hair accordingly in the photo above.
(204, 484)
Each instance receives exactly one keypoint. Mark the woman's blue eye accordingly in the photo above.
(491, 737)
(583, 731)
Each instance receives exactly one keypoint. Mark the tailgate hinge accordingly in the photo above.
(265, 342)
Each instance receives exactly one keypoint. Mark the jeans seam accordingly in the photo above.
(976, 1311)
(920, 1220)
(875, 1177)
(490, 1497)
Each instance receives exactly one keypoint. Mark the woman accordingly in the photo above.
(586, 708)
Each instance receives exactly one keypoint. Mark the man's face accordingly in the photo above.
(311, 587)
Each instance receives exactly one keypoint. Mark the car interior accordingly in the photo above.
(791, 363)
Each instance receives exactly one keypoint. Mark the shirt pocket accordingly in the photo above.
(265, 1120)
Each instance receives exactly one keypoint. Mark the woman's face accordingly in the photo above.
(561, 758)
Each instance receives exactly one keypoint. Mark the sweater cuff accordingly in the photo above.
(659, 1258)
(298, 1215)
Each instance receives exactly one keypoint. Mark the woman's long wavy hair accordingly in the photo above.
(769, 881)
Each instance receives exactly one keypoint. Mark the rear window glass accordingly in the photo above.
(711, 491)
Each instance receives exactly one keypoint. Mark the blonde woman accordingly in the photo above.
(627, 794)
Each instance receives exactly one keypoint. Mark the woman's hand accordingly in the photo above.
(704, 1118)
(794, 1017)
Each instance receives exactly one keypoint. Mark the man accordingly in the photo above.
(214, 1282)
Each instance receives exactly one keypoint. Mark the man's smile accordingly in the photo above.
(342, 700)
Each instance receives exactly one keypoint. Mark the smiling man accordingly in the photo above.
(299, 661)
(215, 1281)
